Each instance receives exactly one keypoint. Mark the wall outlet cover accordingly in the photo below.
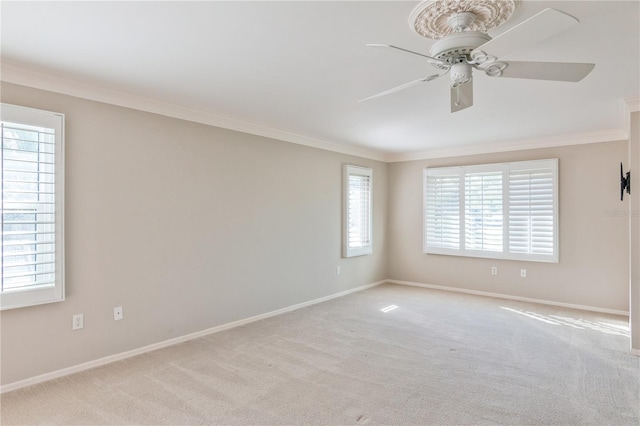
(77, 322)
(117, 313)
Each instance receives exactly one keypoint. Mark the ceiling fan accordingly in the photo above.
(463, 45)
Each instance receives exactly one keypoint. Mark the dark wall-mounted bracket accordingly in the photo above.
(625, 182)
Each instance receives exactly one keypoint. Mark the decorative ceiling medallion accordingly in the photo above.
(431, 18)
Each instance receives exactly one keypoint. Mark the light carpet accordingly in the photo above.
(387, 355)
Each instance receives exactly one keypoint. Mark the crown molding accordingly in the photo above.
(516, 145)
(23, 76)
(15, 74)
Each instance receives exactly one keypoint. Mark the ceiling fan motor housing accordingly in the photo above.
(457, 44)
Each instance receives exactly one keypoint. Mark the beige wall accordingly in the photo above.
(634, 234)
(593, 268)
(187, 227)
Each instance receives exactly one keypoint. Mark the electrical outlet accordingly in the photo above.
(494, 270)
(117, 313)
(78, 322)
(523, 273)
(338, 270)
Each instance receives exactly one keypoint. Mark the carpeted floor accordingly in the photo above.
(435, 358)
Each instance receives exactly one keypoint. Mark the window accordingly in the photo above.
(32, 207)
(503, 211)
(358, 183)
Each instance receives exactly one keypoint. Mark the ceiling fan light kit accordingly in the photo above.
(462, 44)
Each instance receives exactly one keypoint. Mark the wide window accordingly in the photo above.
(504, 211)
(357, 239)
(32, 206)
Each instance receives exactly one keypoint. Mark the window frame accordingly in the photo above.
(348, 171)
(505, 168)
(23, 297)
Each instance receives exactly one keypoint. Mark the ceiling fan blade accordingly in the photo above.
(400, 49)
(402, 87)
(537, 28)
(555, 71)
(462, 96)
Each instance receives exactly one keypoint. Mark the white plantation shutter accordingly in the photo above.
(483, 210)
(533, 209)
(358, 211)
(442, 209)
(31, 209)
(504, 211)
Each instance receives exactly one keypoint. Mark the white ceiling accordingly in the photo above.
(300, 67)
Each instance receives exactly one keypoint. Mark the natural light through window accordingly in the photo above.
(501, 211)
(32, 185)
(357, 223)
(577, 323)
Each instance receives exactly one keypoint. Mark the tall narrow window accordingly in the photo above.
(32, 207)
(358, 184)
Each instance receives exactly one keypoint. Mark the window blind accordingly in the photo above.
(30, 220)
(358, 188)
(532, 206)
(442, 211)
(483, 211)
(505, 211)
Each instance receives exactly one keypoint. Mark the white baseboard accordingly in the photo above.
(506, 296)
(155, 346)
